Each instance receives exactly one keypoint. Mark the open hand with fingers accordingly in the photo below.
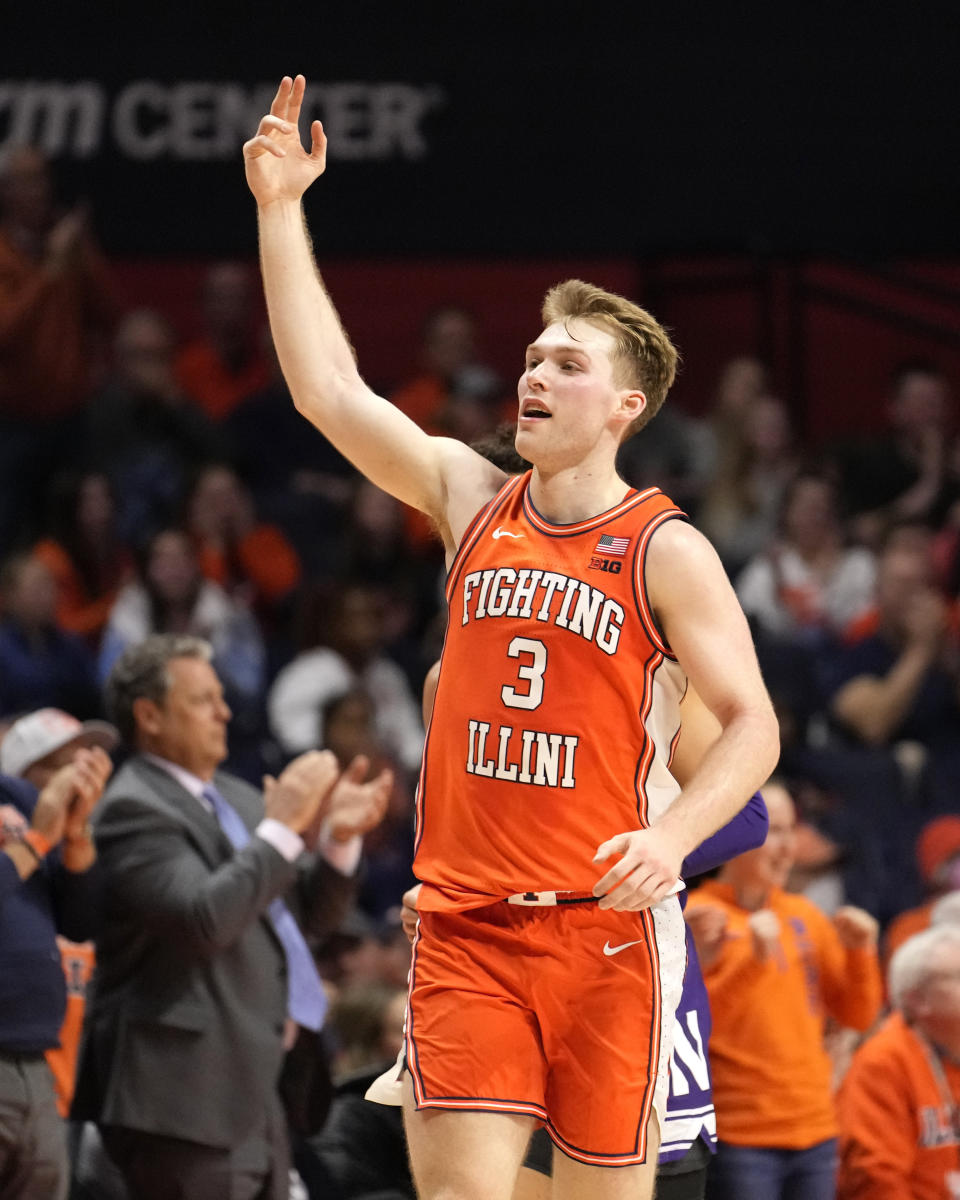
(277, 166)
(357, 806)
(302, 789)
(648, 869)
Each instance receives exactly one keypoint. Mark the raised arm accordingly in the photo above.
(440, 476)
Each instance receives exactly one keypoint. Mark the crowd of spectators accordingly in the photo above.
(149, 486)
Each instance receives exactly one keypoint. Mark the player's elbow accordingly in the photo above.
(320, 399)
(766, 741)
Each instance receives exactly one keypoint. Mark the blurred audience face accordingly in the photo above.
(348, 727)
(219, 503)
(921, 401)
(228, 299)
(810, 514)
(770, 864)
(377, 515)
(768, 429)
(143, 350)
(41, 772)
(95, 507)
(357, 630)
(29, 594)
(742, 381)
(935, 1005)
(26, 189)
(903, 574)
(189, 726)
(172, 573)
(449, 342)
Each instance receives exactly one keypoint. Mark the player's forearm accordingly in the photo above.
(736, 766)
(313, 350)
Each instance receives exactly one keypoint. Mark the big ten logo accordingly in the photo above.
(613, 566)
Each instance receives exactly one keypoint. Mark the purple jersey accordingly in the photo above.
(690, 1105)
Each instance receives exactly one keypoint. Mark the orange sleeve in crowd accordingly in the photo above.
(851, 981)
(78, 961)
(270, 561)
(76, 611)
(206, 380)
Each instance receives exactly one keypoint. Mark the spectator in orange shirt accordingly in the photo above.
(226, 363)
(900, 1100)
(252, 561)
(775, 968)
(84, 552)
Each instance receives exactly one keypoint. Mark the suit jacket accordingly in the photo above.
(185, 1021)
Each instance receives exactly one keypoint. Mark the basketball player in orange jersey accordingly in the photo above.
(550, 830)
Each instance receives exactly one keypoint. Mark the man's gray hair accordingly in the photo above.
(141, 672)
(914, 962)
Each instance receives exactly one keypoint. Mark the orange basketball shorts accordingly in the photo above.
(555, 1012)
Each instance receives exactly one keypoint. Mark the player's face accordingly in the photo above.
(568, 393)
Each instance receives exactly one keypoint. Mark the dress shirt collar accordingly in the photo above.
(187, 780)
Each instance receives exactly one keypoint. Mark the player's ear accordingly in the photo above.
(632, 404)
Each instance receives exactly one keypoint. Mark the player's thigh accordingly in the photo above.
(463, 1155)
(532, 1185)
(573, 1180)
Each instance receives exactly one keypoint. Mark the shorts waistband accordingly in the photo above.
(550, 899)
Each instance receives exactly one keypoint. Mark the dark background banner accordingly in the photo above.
(506, 128)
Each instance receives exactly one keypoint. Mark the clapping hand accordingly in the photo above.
(357, 806)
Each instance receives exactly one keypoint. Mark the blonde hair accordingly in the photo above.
(644, 356)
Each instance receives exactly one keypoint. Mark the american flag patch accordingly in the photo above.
(612, 545)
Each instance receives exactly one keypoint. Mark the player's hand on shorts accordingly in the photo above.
(408, 910)
(708, 927)
(648, 869)
(856, 928)
(277, 166)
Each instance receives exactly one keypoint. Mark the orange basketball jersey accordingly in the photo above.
(557, 705)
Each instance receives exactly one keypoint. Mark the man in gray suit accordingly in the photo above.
(202, 970)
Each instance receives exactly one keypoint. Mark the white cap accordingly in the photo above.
(40, 733)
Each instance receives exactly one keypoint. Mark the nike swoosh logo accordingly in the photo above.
(499, 532)
(609, 950)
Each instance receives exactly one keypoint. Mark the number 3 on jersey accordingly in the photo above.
(531, 672)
